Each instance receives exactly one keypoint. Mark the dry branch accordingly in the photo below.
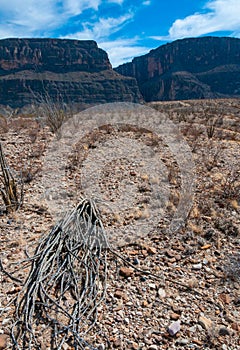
(9, 192)
(66, 284)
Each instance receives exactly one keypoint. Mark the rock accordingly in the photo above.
(185, 68)
(174, 328)
(182, 341)
(223, 331)
(134, 346)
(3, 341)
(205, 322)
(126, 271)
(161, 293)
(236, 326)
(153, 347)
(225, 298)
(136, 261)
(152, 285)
(197, 266)
(101, 347)
(151, 250)
(119, 294)
(174, 316)
(206, 246)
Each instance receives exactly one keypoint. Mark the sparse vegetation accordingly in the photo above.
(197, 267)
(11, 195)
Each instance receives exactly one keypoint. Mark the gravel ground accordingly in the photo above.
(191, 300)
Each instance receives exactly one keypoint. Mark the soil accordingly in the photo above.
(190, 295)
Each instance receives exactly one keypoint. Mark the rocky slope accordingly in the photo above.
(78, 70)
(193, 68)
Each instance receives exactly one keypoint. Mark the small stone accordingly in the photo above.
(101, 347)
(120, 295)
(197, 266)
(174, 316)
(144, 303)
(170, 254)
(117, 343)
(153, 347)
(174, 328)
(236, 326)
(161, 293)
(225, 298)
(182, 341)
(126, 272)
(152, 285)
(134, 346)
(136, 261)
(3, 341)
(223, 331)
(206, 246)
(197, 341)
(143, 279)
(151, 250)
(205, 322)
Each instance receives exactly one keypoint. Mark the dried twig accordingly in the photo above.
(9, 193)
(66, 284)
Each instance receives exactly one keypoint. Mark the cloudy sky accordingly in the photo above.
(124, 28)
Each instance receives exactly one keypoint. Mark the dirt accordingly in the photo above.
(190, 296)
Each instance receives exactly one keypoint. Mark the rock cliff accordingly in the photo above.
(194, 68)
(78, 70)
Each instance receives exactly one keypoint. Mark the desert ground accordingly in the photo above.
(171, 290)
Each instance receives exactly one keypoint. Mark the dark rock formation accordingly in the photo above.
(77, 70)
(195, 68)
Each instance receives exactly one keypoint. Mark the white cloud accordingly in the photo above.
(219, 15)
(31, 17)
(122, 50)
(101, 29)
(119, 2)
(146, 3)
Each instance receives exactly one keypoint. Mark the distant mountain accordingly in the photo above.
(77, 70)
(194, 68)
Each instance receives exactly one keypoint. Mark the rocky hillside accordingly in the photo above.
(78, 70)
(194, 68)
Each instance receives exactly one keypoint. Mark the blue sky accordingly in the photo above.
(123, 28)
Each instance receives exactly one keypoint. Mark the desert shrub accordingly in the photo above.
(52, 112)
(3, 124)
(9, 189)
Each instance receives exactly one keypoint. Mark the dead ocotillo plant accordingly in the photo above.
(11, 198)
(60, 298)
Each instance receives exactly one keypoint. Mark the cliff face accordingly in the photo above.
(206, 67)
(78, 70)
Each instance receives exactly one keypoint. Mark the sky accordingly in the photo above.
(124, 28)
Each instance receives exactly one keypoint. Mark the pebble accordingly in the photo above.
(182, 341)
(174, 328)
(153, 347)
(101, 347)
(151, 250)
(136, 261)
(174, 316)
(223, 331)
(126, 271)
(205, 322)
(161, 293)
(152, 285)
(197, 266)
